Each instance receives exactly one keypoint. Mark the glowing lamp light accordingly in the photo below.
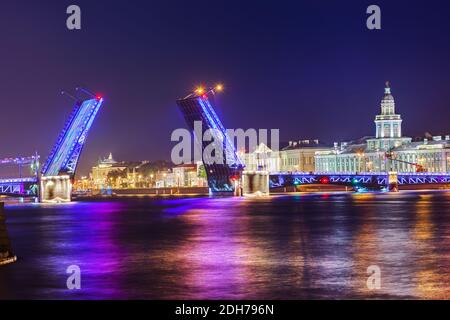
(219, 87)
(98, 97)
(204, 97)
(324, 180)
(200, 90)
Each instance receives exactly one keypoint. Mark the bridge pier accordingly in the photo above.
(55, 189)
(255, 183)
(6, 255)
(393, 182)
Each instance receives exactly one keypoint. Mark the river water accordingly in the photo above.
(298, 246)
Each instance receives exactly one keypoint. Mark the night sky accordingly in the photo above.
(310, 68)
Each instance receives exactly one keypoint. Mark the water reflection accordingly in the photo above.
(282, 247)
(431, 274)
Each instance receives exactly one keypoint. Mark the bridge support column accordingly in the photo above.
(56, 189)
(255, 183)
(6, 255)
(393, 182)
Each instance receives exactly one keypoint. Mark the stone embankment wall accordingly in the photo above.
(6, 255)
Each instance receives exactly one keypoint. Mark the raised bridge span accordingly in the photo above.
(54, 182)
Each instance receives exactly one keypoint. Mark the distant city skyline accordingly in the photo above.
(311, 70)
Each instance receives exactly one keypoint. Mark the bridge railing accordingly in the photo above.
(19, 176)
(360, 173)
(328, 173)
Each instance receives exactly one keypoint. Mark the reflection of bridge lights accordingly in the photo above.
(361, 189)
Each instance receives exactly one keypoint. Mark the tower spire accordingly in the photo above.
(387, 89)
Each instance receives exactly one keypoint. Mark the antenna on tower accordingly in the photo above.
(64, 93)
(86, 91)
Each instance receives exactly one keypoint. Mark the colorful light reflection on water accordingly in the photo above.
(281, 247)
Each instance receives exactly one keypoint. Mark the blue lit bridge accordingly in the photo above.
(371, 181)
(26, 182)
(23, 187)
(198, 107)
(54, 181)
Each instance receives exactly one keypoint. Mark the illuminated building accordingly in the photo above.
(388, 150)
(262, 158)
(182, 176)
(388, 126)
(187, 175)
(83, 184)
(165, 180)
(296, 156)
(299, 155)
(109, 173)
(100, 172)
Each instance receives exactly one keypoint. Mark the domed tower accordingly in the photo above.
(388, 125)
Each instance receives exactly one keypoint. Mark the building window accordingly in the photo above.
(387, 130)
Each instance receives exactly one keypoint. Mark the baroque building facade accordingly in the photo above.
(296, 156)
(100, 172)
(389, 150)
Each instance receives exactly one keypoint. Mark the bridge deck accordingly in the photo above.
(19, 187)
(368, 179)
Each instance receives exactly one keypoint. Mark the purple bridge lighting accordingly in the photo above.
(357, 180)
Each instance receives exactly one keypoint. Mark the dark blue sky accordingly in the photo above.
(310, 68)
